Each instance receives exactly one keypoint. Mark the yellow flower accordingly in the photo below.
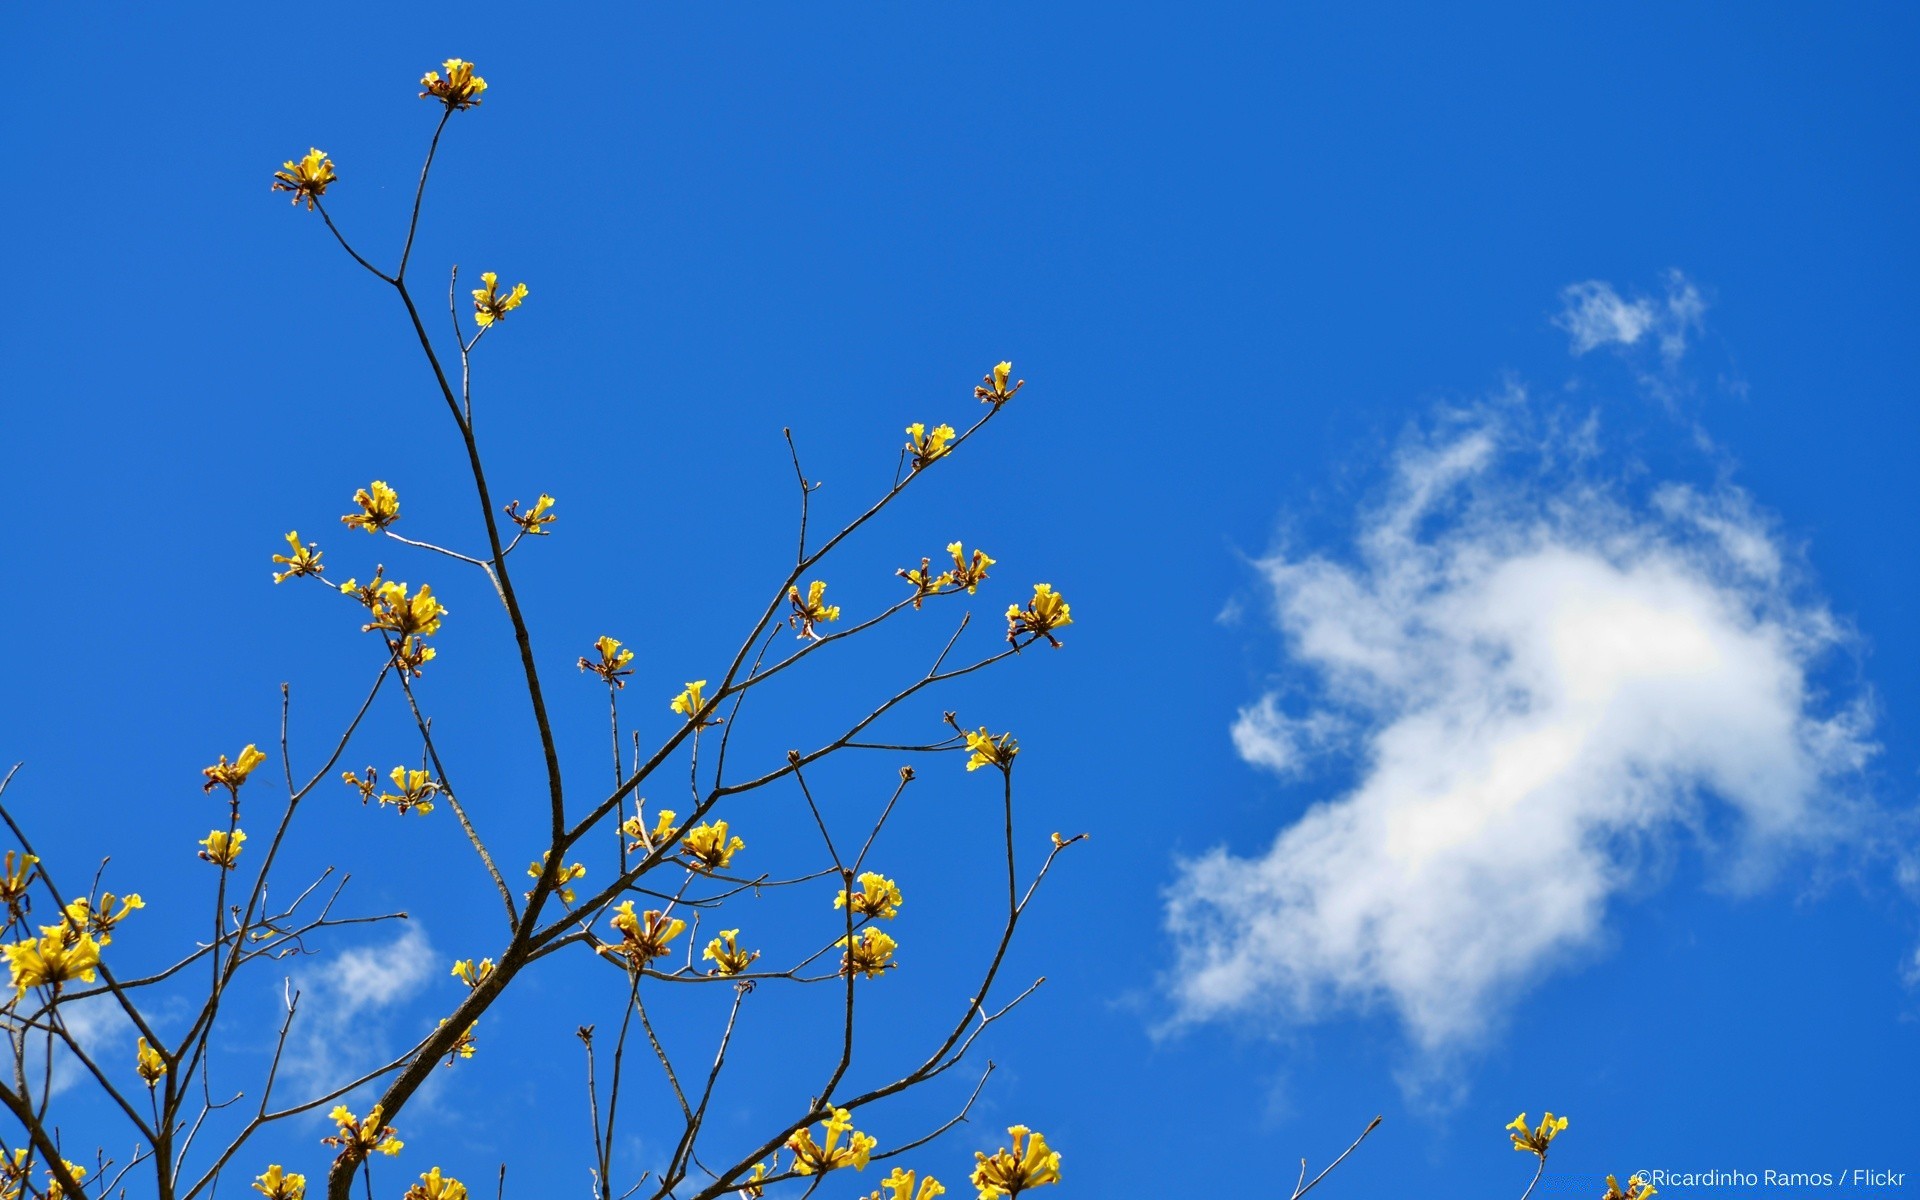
(900, 1186)
(878, 897)
(306, 179)
(1008, 1173)
(61, 952)
(612, 665)
(464, 1045)
(811, 610)
(691, 700)
(643, 938)
(989, 751)
(817, 1158)
(1536, 1141)
(869, 954)
(489, 305)
(276, 1184)
(751, 1189)
(1043, 614)
(567, 876)
(74, 1171)
(925, 582)
(460, 89)
(358, 1138)
(417, 789)
(379, 508)
(1637, 1189)
(709, 848)
(305, 560)
(924, 446)
(223, 850)
(14, 882)
(231, 775)
(725, 954)
(536, 519)
(635, 827)
(113, 910)
(407, 619)
(967, 573)
(993, 386)
(472, 976)
(150, 1063)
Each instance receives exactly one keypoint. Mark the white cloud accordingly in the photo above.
(1595, 315)
(1543, 684)
(335, 1035)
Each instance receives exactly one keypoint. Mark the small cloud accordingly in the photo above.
(1595, 315)
(338, 1033)
(1542, 685)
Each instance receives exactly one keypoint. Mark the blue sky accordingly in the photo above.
(1473, 447)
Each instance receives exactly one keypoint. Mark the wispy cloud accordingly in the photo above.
(1539, 682)
(1595, 315)
(340, 1030)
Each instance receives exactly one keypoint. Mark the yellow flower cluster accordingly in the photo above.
(357, 1138)
(277, 1184)
(464, 1045)
(1637, 1189)
(14, 880)
(691, 700)
(567, 876)
(878, 897)
(813, 609)
(612, 663)
(817, 1158)
(709, 849)
(925, 446)
(305, 560)
(1537, 1140)
(489, 305)
(869, 953)
(231, 775)
(635, 827)
(113, 909)
(901, 1186)
(1046, 612)
(967, 573)
(459, 90)
(14, 1172)
(379, 508)
(1029, 1164)
(435, 1186)
(149, 1063)
(222, 849)
(725, 954)
(989, 751)
(536, 519)
(61, 953)
(643, 938)
(993, 387)
(307, 179)
(417, 789)
(405, 619)
(472, 976)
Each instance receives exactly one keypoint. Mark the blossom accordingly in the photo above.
(751, 1189)
(460, 89)
(396, 612)
(14, 880)
(54, 1191)
(567, 875)
(472, 976)
(150, 1063)
(489, 305)
(643, 938)
(812, 609)
(1637, 1189)
(612, 665)
(989, 751)
(536, 519)
(357, 1138)
(223, 849)
(464, 1045)
(417, 789)
(231, 775)
(305, 560)
(968, 573)
(306, 179)
(725, 954)
(709, 848)
(878, 897)
(113, 909)
(900, 1186)
(277, 1184)
(61, 952)
(1043, 614)
(379, 508)
(869, 953)
(1008, 1173)
(993, 387)
(924, 446)
(691, 700)
(635, 827)
(925, 582)
(1536, 1141)
(811, 1158)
